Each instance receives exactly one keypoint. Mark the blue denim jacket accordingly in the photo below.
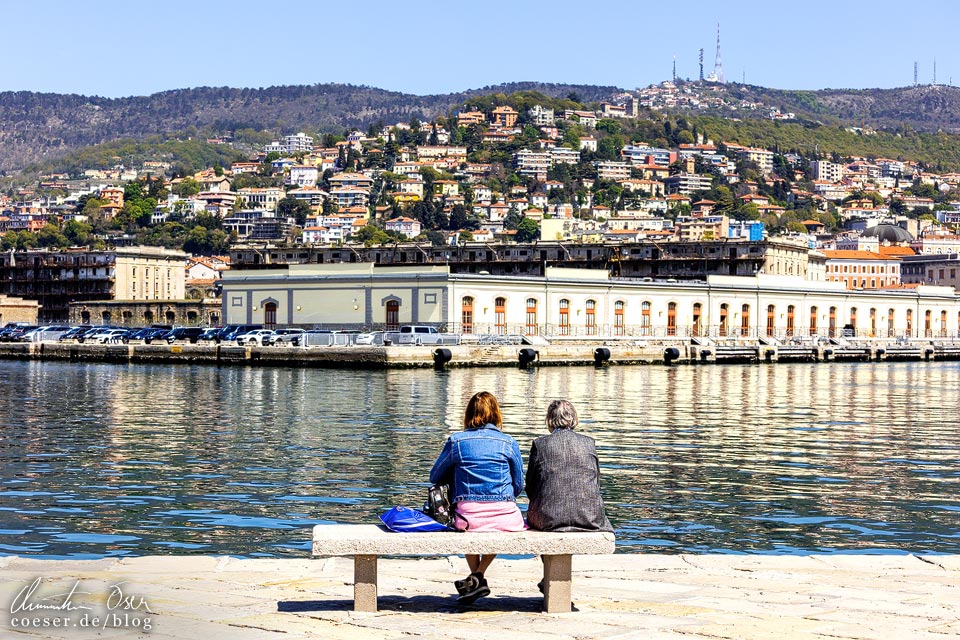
(485, 464)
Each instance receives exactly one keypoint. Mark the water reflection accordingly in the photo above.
(113, 460)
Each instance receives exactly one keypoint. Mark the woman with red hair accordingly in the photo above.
(486, 470)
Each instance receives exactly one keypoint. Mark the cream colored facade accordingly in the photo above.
(149, 273)
(18, 310)
(581, 303)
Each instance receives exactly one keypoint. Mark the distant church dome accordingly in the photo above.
(888, 233)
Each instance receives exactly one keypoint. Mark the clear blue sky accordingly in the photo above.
(113, 48)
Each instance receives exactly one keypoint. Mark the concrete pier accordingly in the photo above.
(648, 596)
(669, 351)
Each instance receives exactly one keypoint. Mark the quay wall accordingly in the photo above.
(361, 357)
(659, 352)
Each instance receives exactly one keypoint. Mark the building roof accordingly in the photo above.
(888, 233)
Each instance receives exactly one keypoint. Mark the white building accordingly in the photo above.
(582, 303)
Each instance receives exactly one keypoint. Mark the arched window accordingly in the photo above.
(147, 317)
(466, 315)
(618, 323)
(927, 323)
(270, 315)
(943, 324)
(832, 327)
(171, 316)
(591, 317)
(791, 312)
(106, 316)
(745, 320)
(393, 315)
(813, 321)
(531, 316)
(771, 318)
(724, 319)
(192, 317)
(853, 319)
(873, 322)
(500, 315)
(891, 325)
(645, 318)
(909, 323)
(564, 317)
(672, 319)
(697, 319)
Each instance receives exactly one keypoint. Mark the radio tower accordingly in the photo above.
(674, 69)
(718, 65)
(915, 83)
(701, 64)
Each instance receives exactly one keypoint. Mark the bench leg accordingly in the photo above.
(556, 583)
(364, 583)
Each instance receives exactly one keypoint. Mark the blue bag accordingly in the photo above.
(405, 520)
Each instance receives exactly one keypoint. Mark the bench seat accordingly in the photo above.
(365, 542)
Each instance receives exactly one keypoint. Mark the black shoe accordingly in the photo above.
(467, 584)
(480, 589)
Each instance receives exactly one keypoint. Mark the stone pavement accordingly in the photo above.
(648, 596)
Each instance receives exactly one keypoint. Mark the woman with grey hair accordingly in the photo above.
(563, 477)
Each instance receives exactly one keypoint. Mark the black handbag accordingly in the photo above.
(439, 504)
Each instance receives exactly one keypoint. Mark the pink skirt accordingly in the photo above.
(488, 516)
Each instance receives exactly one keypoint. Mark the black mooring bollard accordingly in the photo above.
(670, 354)
(526, 356)
(441, 357)
(600, 356)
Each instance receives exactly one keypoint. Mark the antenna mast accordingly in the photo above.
(674, 69)
(701, 64)
(718, 64)
(915, 82)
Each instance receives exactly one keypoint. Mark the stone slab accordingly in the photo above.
(361, 539)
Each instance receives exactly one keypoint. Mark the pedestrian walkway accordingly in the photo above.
(643, 596)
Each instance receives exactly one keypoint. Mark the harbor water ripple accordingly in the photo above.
(110, 460)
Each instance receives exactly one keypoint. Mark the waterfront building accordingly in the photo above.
(581, 303)
(57, 278)
(663, 258)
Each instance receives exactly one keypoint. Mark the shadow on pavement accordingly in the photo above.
(421, 604)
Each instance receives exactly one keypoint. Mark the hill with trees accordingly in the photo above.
(38, 126)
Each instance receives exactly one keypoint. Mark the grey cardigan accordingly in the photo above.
(563, 484)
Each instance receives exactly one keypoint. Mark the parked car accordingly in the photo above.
(15, 333)
(209, 335)
(108, 336)
(286, 337)
(371, 338)
(231, 331)
(418, 334)
(74, 333)
(45, 333)
(91, 331)
(185, 334)
(255, 337)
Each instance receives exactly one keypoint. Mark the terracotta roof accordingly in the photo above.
(896, 250)
(852, 254)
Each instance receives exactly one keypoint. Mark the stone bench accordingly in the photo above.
(367, 541)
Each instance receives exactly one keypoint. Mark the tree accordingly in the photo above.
(527, 230)
(187, 187)
(371, 235)
(289, 207)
